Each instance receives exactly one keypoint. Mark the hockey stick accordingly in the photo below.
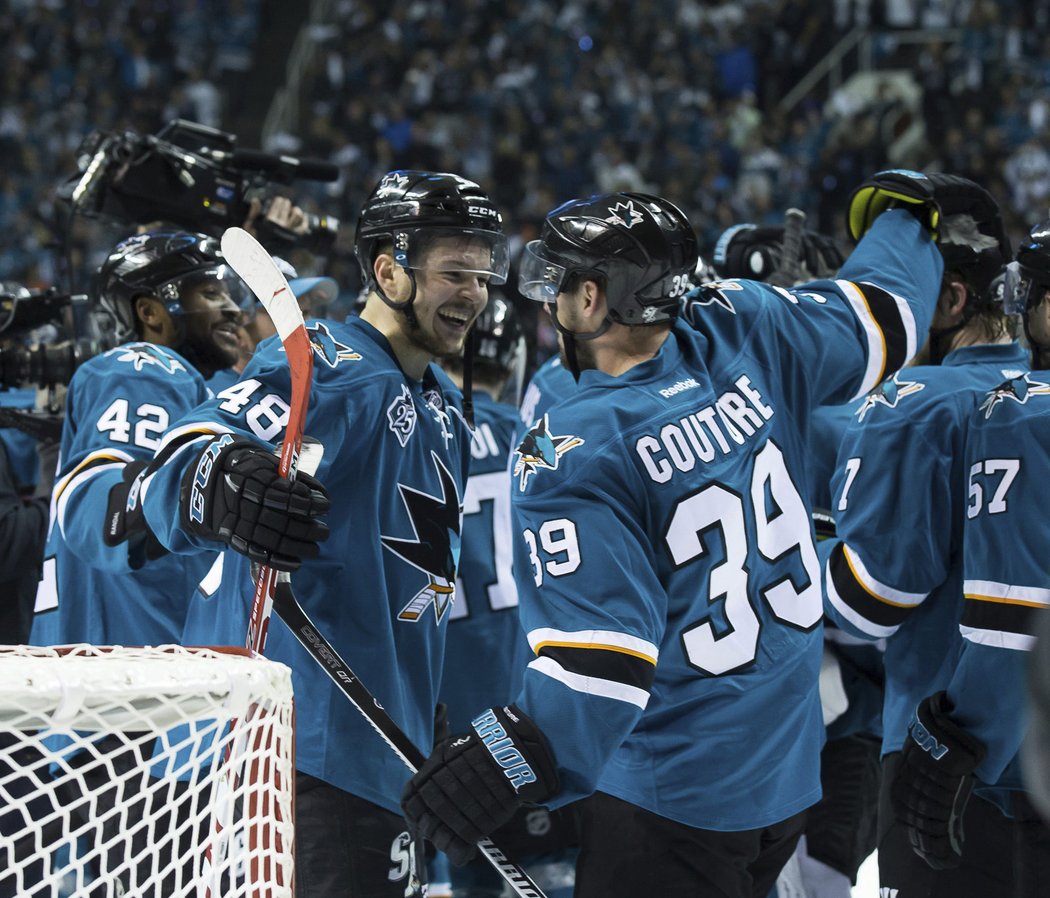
(248, 258)
(257, 269)
(291, 612)
(788, 271)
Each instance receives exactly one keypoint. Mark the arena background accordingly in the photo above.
(735, 111)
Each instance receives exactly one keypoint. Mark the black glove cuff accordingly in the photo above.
(956, 752)
(123, 508)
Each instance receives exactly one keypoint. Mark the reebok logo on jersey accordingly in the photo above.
(540, 449)
(681, 386)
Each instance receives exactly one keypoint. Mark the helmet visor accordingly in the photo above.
(221, 278)
(453, 249)
(538, 278)
(1017, 290)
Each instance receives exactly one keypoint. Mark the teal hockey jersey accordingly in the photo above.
(898, 495)
(1006, 579)
(396, 453)
(670, 586)
(118, 407)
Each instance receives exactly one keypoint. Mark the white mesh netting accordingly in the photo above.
(144, 772)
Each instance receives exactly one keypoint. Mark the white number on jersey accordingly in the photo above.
(148, 429)
(267, 417)
(494, 488)
(1007, 468)
(776, 535)
(556, 538)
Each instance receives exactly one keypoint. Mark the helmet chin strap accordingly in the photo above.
(406, 305)
(572, 336)
(469, 352)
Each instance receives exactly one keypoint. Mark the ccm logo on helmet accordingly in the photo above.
(482, 210)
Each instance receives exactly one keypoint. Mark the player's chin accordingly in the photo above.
(225, 352)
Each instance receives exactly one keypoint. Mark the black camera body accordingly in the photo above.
(52, 364)
(192, 176)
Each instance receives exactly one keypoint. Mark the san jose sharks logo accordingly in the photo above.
(889, 393)
(395, 182)
(625, 214)
(327, 348)
(540, 449)
(712, 294)
(140, 354)
(1019, 390)
(435, 550)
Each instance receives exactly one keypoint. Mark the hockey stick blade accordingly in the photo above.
(296, 619)
(257, 269)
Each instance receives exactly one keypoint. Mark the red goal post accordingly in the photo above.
(149, 771)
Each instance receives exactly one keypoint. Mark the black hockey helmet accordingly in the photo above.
(643, 247)
(163, 264)
(499, 343)
(973, 241)
(1028, 276)
(407, 209)
(499, 334)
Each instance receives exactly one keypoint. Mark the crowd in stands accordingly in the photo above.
(542, 101)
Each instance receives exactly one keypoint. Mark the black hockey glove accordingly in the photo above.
(472, 784)
(934, 782)
(233, 493)
(930, 197)
(125, 520)
(755, 253)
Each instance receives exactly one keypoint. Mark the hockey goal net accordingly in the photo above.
(147, 772)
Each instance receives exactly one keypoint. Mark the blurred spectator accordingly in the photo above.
(676, 98)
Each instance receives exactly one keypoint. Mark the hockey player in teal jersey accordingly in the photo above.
(665, 556)
(899, 490)
(967, 736)
(106, 580)
(381, 587)
(171, 293)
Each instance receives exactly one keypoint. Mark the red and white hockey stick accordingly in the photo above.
(248, 258)
(257, 269)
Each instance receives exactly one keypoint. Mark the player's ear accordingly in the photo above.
(953, 296)
(594, 302)
(389, 275)
(151, 316)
